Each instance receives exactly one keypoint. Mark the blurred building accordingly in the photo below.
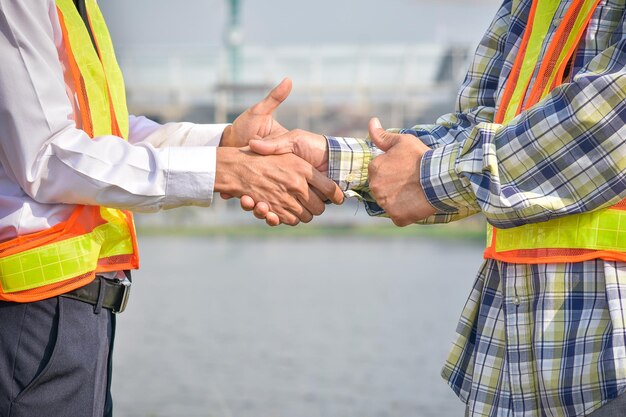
(337, 88)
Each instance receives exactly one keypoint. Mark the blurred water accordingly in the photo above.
(301, 327)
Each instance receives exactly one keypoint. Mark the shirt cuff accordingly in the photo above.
(444, 188)
(190, 176)
(205, 135)
(348, 161)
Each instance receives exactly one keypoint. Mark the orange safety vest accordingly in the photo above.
(577, 237)
(94, 239)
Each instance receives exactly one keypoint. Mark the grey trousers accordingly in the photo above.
(55, 359)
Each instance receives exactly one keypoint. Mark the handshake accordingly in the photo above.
(281, 175)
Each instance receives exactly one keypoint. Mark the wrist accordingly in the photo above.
(227, 161)
(226, 140)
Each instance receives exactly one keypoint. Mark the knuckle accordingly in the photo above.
(289, 220)
(395, 221)
(400, 220)
(372, 168)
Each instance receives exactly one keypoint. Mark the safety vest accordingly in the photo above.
(94, 239)
(577, 237)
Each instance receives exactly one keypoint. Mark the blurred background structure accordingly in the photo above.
(292, 323)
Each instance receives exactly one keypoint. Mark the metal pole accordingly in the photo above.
(234, 41)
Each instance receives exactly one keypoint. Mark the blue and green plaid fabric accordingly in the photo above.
(533, 340)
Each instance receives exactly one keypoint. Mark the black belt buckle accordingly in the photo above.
(123, 299)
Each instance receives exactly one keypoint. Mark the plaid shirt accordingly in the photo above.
(533, 340)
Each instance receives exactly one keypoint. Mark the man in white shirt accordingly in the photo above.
(55, 353)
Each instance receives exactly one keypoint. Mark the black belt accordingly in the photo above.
(103, 293)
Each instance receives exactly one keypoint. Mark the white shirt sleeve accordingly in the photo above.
(53, 162)
(145, 130)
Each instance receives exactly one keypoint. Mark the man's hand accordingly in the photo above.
(258, 120)
(309, 146)
(394, 177)
(285, 183)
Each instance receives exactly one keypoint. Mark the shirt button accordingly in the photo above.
(516, 300)
(350, 177)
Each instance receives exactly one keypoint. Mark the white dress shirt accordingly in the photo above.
(48, 164)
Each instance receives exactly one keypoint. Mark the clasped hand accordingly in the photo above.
(288, 185)
(394, 177)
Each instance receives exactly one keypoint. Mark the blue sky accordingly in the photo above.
(278, 22)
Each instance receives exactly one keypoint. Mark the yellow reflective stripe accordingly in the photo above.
(544, 13)
(578, 26)
(49, 264)
(111, 68)
(68, 258)
(117, 240)
(599, 230)
(90, 67)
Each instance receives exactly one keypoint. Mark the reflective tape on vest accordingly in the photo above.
(68, 258)
(599, 230)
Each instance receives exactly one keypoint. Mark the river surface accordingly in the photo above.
(291, 327)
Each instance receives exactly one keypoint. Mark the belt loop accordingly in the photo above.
(98, 306)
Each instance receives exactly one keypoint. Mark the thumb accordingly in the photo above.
(380, 137)
(274, 98)
(273, 146)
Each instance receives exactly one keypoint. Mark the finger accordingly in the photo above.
(319, 195)
(287, 212)
(294, 205)
(261, 210)
(247, 203)
(382, 139)
(275, 146)
(326, 187)
(274, 98)
(226, 196)
(289, 219)
(272, 219)
(303, 213)
(312, 202)
(296, 208)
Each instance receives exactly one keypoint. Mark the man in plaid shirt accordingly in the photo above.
(543, 339)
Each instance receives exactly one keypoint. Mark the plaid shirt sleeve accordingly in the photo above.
(564, 155)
